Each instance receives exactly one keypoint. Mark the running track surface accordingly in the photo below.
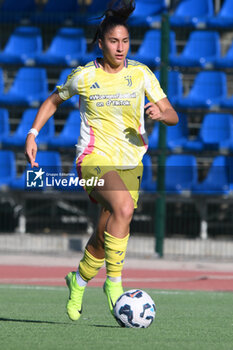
(143, 278)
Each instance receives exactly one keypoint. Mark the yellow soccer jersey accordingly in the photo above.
(112, 110)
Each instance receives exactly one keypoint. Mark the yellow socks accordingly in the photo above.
(89, 266)
(115, 249)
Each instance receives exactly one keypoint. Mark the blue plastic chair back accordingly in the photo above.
(146, 8)
(7, 167)
(151, 44)
(31, 81)
(226, 9)
(72, 125)
(190, 8)
(25, 123)
(176, 135)
(175, 85)
(1, 81)
(181, 173)
(4, 123)
(24, 40)
(229, 53)
(216, 127)
(18, 6)
(68, 41)
(49, 160)
(147, 183)
(60, 6)
(209, 84)
(202, 44)
(217, 179)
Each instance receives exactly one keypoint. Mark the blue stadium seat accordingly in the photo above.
(1, 81)
(67, 48)
(49, 161)
(201, 50)
(56, 12)
(19, 136)
(192, 13)
(216, 133)
(30, 88)
(176, 137)
(224, 18)
(175, 85)
(145, 10)
(208, 90)
(148, 183)
(72, 102)
(181, 173)
(227, 102)
(68, 137)
(22, 46)
(225, 61)
(17, 6)
(217, 178)
(15, 11)
(7, 167)
(149, 50)
(4, 123)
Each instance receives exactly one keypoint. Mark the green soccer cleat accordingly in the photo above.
(112, 290)
(74, 304)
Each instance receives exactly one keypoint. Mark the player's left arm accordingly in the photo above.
(162, 111)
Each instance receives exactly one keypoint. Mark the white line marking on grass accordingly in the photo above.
(6, 286)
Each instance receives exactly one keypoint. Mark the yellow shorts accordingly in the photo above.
(92, 168)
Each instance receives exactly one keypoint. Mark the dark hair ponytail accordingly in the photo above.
(114, 16)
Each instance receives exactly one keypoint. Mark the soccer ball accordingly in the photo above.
(134, 309)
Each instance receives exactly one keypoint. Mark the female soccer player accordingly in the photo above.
(111, 145)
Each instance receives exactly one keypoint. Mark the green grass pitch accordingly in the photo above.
(34, 317)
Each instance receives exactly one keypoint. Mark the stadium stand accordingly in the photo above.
(148, 183)
(149, 50)
(67, 48)
(224, 18)
(29, 88)
(57, 12)
(217, 179)
(208, 90)
(22, 46)
(201, 50)
(192, 13)
(1, 81)
(175, 85)
(225, 61)
(7, 167)
(14, 11)
(216, 133)
(17, 139)
(147, 12)
(69, 135)
(4, 123)
(176, 137)
(181, 173)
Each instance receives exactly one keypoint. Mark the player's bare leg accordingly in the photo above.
(117, 199)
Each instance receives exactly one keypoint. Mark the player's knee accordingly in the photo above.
(125, 210)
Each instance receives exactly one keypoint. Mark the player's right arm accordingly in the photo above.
(47, 109)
